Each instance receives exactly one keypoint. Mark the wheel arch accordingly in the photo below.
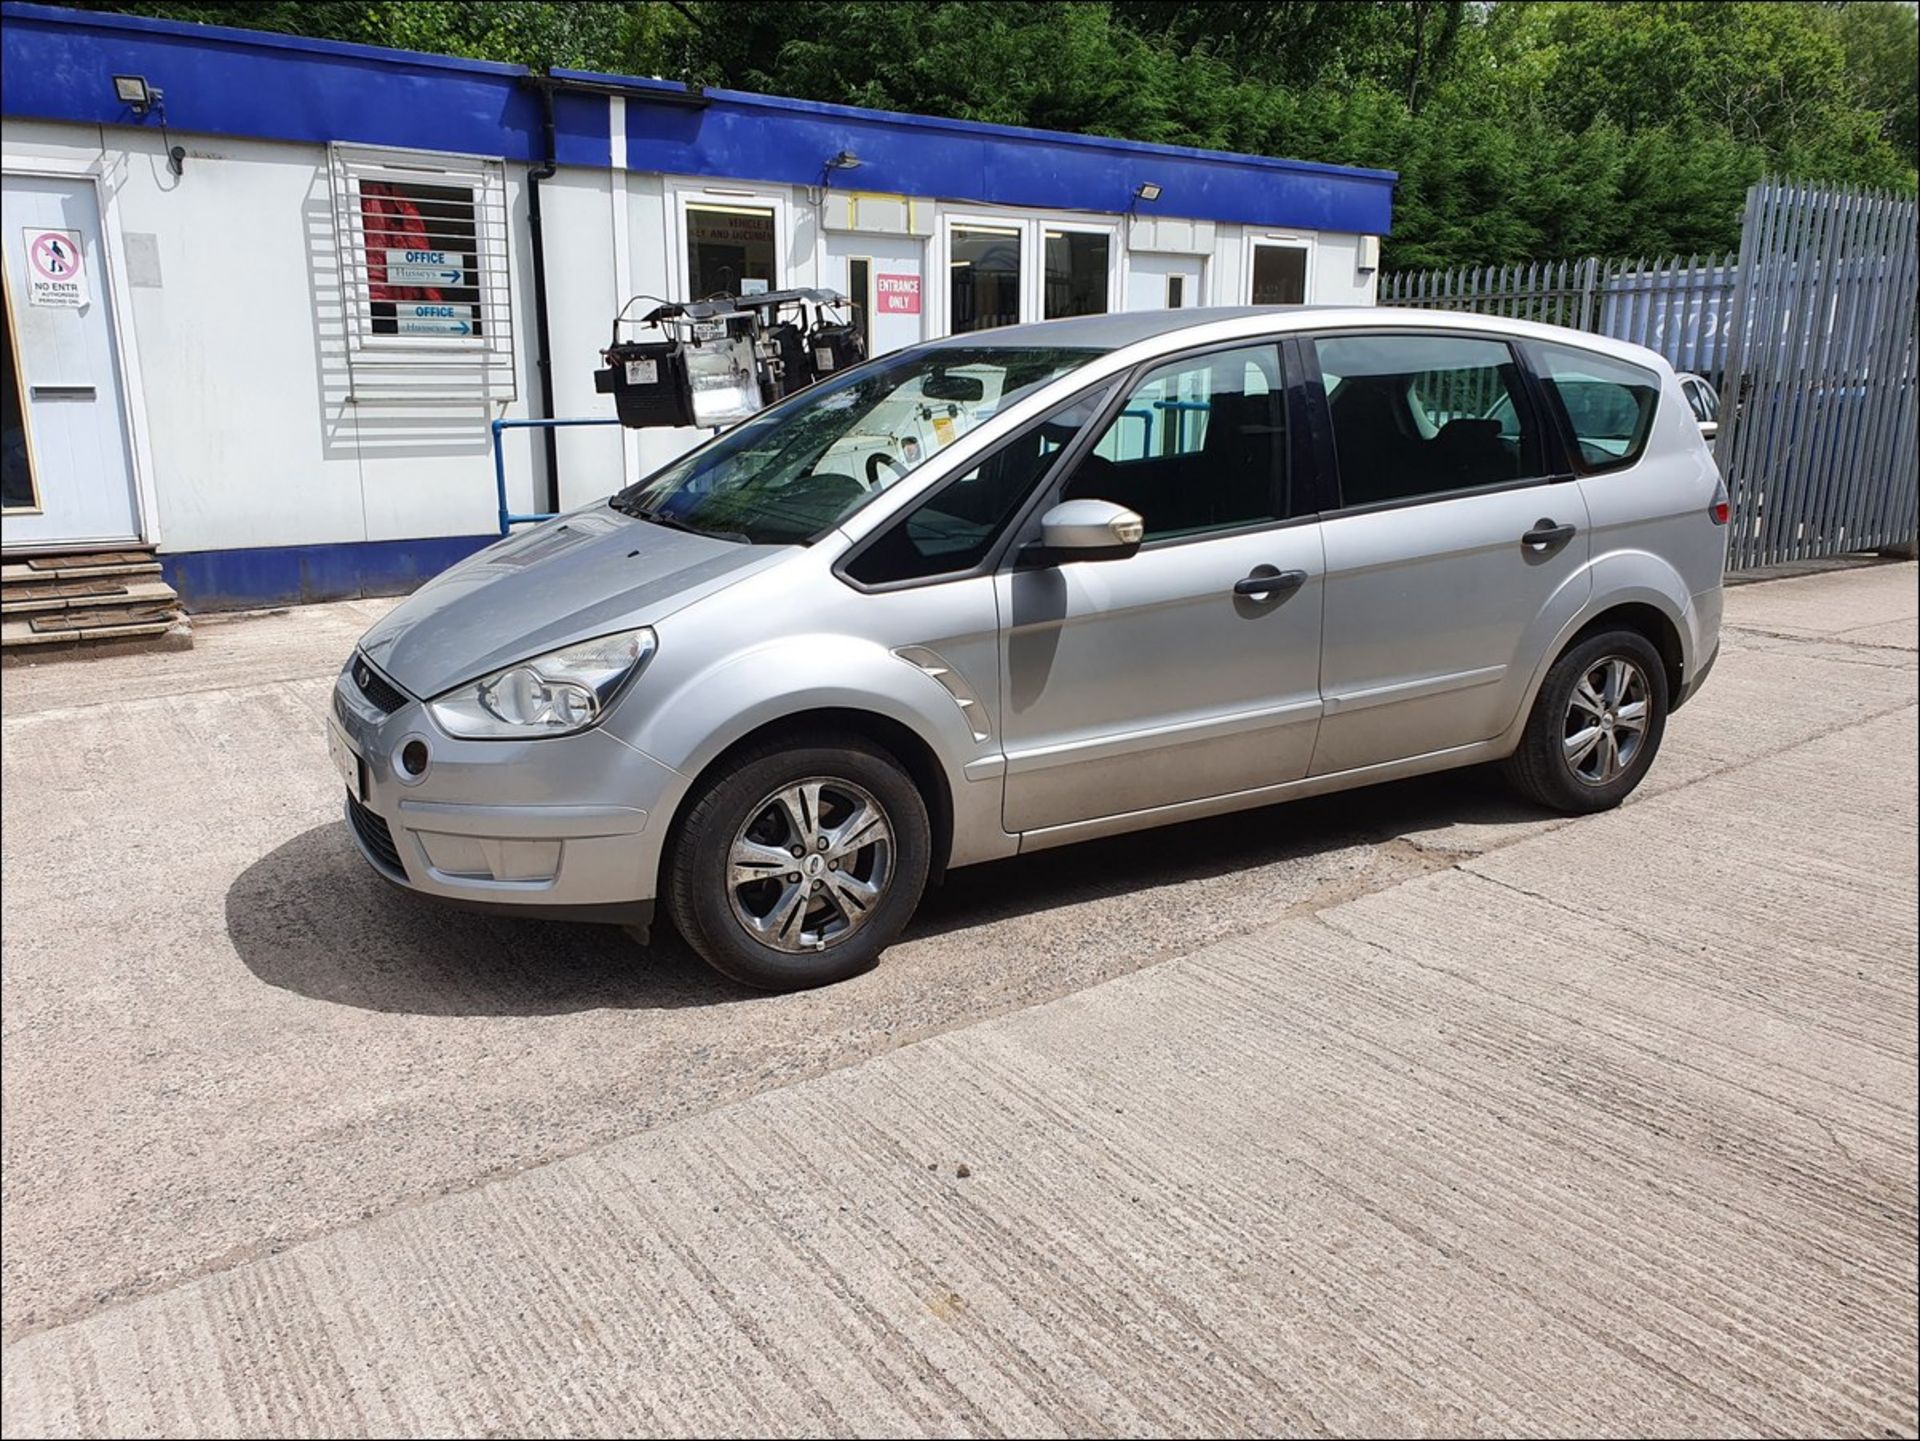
(1660, 613)
(894, 736)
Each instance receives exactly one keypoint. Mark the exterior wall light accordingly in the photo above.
(134, 92)
(1147, 191)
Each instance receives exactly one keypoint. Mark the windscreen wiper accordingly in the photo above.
(673, 522)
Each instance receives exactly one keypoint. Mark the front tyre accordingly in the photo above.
(801, 863)
(1596, 725)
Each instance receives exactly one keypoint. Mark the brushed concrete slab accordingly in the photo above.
(224, 1039)
(1541, 1143)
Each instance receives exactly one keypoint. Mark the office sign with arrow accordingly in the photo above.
(433, 317)
(425, 267)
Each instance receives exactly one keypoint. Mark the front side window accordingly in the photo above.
(1200, 445)
(951, 531)
(1608, 404)
(730, 250)
(1426, 415)
(798, 468)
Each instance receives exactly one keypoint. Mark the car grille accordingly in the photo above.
(374, 835)
(382, 693)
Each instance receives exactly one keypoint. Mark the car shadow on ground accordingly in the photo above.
(311, 917)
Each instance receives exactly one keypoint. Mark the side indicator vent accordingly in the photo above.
(953, 683)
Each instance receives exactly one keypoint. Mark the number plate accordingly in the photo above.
(352, 769)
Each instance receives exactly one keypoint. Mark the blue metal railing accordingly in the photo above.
(507, 519)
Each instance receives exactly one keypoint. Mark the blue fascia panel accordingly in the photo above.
(60, 65)
(210, 580)
(768, 138)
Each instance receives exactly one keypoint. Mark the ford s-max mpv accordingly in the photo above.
(1014, 589)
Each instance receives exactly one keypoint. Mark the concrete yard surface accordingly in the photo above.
(1409, 1111)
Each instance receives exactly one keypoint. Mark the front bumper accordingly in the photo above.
(556, 826)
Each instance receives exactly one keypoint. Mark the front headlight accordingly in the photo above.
(553, 694)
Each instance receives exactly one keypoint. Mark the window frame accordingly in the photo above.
(389, 366)
(1307, 243)
(1030, 228)
(1110, 233)
(683, 197)
(1555, 463)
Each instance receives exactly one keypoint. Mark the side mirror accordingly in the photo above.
(1091, 530)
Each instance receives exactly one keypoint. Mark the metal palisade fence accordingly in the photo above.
(1677, 306)
(1809, 334)
(1818, 441)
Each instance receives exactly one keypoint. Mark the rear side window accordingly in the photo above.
(951, 531)
(1608, 404)
(1426, 415)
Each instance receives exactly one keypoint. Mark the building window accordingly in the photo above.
(1176, 291)
(985, 277)
(1279, 275)
(1076, 272)
(860, 293)
(422, 259)
(16, 455)
(730, 250)
(425, 288)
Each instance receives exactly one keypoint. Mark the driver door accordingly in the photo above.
(1173, 675)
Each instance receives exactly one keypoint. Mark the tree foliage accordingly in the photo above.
(1525, 129)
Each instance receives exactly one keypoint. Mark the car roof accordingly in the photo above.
(1119, 330)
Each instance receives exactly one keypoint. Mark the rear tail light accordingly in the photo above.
(1722, 508)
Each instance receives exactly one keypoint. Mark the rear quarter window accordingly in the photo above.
(1607, 404)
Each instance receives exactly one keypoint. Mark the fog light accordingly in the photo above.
(413, 758)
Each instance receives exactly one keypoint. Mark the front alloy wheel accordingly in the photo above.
(797, 862)
(811, 864)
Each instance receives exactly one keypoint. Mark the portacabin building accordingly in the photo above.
(266, 296)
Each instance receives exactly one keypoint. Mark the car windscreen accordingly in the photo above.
(798, 468)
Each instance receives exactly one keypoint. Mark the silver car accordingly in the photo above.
(1010, 590)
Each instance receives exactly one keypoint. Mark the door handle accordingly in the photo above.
(1271, 582)
(1547, 535)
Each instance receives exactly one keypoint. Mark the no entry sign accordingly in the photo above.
(56, 268)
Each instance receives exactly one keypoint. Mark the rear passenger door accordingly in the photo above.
(1457, 548)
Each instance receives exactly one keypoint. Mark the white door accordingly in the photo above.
(1163, 282)
(885, 278)
(67, 468)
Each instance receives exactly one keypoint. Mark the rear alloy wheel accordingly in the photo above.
(1595, 727)
(800, 864)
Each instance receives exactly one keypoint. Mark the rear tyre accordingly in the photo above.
(801, 863)
(1596, 725)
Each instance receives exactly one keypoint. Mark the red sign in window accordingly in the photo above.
(897, 294)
